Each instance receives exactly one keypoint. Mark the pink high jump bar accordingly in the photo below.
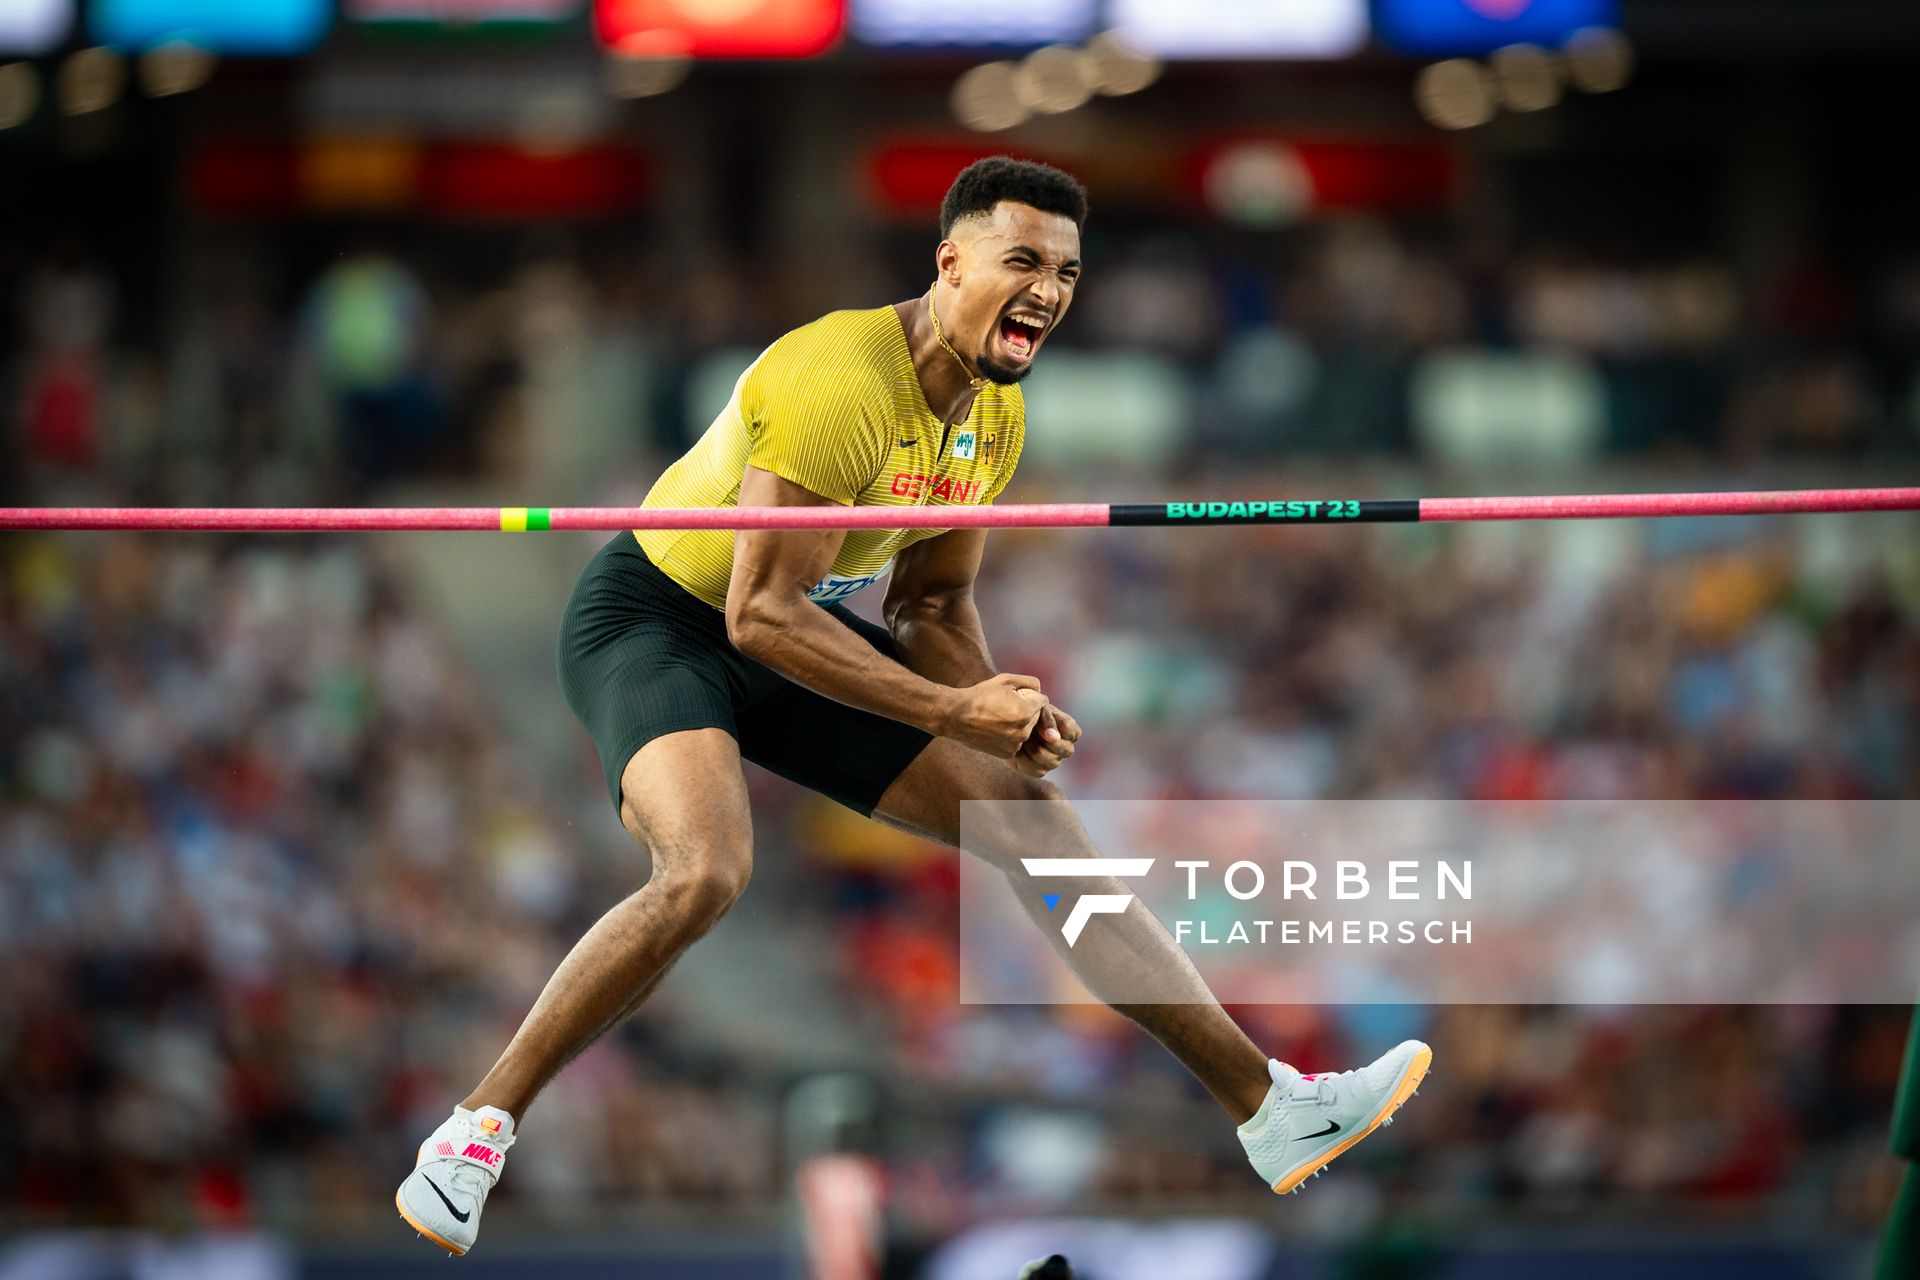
(1609, 506)
(1270, 510)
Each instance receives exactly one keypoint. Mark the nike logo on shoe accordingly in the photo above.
(458, 1216)
(1331, 1128)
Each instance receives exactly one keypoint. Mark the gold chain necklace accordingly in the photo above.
(973, 380)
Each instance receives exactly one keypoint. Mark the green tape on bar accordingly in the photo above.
(1906, 1103)
(1900, 1238)
(539, 518)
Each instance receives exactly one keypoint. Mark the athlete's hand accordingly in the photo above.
(997, 715)
(1052, 741)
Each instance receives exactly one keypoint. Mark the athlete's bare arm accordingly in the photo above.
(935, 626)
(770, 619)
(929, 609)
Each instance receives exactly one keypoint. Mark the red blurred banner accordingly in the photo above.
(907, 176)
(479, 180)
(910, 178)
(243, 178)
(734, 29)
(1338, 175)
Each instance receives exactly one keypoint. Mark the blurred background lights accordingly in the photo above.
(1229, 29)
(1259, 184)
(175, 67)
(1057, 78)
(554, 121)
(642, 77)
(1051, 80)
(91, 80)
(970, 24)
(1525, 77)
(1455, 94)
(19, 93)
(985, 98)
(1118, 68)
(231, 28)
(34, 27)
(1598, 60)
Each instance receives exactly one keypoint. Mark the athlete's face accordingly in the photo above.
(1012, 274)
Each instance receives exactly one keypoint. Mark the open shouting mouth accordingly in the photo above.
(1020, 334)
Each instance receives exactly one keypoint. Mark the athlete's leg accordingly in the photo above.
(683, 797)
(1130, 952)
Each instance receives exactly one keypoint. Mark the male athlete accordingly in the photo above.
(685, 652)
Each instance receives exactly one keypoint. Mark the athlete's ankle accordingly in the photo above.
(1239, 1098)
(1274, 1086)
(479, 1102)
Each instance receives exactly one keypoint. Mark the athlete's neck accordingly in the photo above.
(946, 382)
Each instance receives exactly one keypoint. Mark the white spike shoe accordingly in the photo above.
(1306, 1121)
(453, 1171)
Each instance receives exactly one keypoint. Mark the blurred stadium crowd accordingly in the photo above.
(540, 357)
(271, 876)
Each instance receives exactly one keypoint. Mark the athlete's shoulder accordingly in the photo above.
(864, 324)
(840, 346)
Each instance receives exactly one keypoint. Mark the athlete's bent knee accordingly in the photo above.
(701, 886)
(1041, 789)
(1003, 834)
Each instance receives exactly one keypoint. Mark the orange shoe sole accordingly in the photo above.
(1408, 1086)
(426, 1231)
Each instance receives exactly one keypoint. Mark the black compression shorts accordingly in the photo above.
(640, 656)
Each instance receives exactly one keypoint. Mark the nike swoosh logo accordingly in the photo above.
(908, 444)
(458, 1216)
(1331, 1128)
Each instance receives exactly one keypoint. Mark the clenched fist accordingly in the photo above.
(1052, 741)
(997, 715)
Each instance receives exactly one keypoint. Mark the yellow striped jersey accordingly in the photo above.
(835, 407)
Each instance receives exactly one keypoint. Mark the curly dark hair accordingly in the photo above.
(985, 183)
